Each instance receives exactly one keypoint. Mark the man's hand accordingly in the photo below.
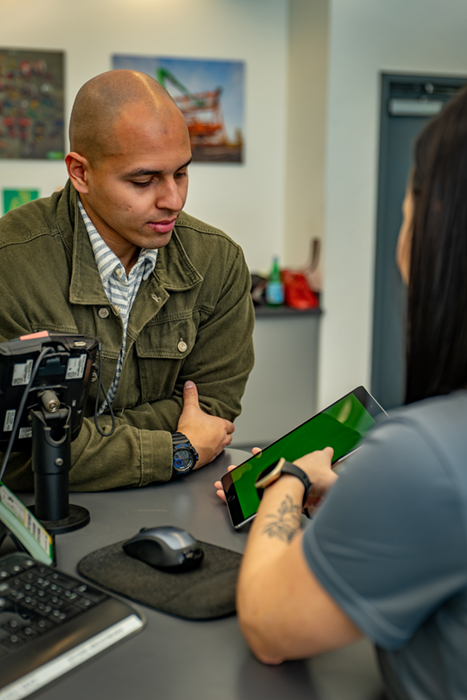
(209, 435)
(218, 484)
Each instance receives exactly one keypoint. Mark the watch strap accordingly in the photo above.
(283, 467)
(289, 468)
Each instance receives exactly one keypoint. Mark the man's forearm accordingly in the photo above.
(138, 453)
(130, 457)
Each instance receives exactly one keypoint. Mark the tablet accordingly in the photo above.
(341, 426)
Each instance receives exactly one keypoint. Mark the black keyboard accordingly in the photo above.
(42, 610)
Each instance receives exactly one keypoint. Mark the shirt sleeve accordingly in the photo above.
(389, 543)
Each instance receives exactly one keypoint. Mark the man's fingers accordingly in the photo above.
(208, 434)
(221, 494)
(190, 394)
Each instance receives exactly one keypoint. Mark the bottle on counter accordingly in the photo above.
(275, 286)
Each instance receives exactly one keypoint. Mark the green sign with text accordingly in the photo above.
(15, 198)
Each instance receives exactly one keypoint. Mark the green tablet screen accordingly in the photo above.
(340, 426)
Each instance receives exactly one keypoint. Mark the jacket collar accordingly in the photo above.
(174, 270)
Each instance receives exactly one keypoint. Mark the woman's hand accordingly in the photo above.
(218, 484)
(317, 466)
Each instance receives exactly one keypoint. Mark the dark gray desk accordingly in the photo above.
(172, 659)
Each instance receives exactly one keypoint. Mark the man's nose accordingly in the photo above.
(168, 195)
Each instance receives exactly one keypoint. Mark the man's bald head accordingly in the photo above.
(100, 104)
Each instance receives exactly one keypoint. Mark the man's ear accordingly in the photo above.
(78, 167)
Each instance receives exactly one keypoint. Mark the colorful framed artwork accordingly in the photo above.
(31, 104)
(211, 96)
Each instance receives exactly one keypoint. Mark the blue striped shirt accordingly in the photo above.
(120, 289)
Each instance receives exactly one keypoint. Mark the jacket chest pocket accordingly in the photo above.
(162, 349)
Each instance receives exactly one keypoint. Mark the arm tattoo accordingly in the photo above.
(285, 524)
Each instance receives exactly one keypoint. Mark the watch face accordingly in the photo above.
(183, 459)
(269, 475)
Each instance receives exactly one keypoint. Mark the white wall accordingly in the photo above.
(366, 37)
(247, 201)
(306, 128)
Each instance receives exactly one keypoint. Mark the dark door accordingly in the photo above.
(407, 103)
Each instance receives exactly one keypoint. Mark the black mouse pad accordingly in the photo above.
(201, 594)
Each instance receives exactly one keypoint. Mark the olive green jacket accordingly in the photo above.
(197, 294)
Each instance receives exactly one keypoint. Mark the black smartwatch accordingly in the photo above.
(184, 454)
(269, 475)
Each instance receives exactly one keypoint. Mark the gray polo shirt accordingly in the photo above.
(389, 544)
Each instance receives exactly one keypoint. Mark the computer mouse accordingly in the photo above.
(165, 547)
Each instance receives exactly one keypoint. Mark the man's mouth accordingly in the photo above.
(164, 226)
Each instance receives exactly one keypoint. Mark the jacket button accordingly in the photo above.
(182, 346)
(103, 312)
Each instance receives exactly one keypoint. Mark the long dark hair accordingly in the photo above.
(437, 306)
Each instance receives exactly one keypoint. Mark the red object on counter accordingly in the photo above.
(297, 292)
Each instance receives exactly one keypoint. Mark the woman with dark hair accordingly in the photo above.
(437, 332)
(386, 554)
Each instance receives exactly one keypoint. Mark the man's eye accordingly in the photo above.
(182, 173)
(142, 184)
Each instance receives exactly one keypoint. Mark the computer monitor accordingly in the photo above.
(45, 379)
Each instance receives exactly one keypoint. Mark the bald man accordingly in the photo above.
(113, 255)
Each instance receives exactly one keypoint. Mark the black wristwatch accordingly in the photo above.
(184, 454)
(269, 475)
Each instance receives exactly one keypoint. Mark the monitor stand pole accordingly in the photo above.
(51, 463)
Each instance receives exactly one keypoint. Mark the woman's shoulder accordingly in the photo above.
(430, 435)
(441, 417)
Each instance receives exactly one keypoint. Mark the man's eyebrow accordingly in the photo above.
(141, 172)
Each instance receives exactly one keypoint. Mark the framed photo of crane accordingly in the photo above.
(211, 96)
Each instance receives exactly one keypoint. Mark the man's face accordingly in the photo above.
(135, 195)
